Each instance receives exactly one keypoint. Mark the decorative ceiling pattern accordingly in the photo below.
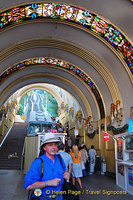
(61, 64)
(82, 17)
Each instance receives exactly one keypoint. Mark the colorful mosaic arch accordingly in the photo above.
(61, 64)
(73, 14)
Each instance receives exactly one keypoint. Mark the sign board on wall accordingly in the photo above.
(105, 136)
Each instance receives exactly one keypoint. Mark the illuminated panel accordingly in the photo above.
(68, 13)
(84, 18)
(51, 10)
(33, 11)
(15, 15)
(100, 26)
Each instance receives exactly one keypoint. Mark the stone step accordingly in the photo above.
(13, 143)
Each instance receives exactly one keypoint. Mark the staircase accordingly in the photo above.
(40, 116)
(11, 150)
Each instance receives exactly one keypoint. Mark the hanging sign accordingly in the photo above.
(105, 136)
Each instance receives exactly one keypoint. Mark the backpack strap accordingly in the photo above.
(42, 168)
(60, 158)
(30, 192)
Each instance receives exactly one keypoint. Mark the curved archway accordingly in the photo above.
(56, 80)
(61, 64)
(60, 44)
(48, 88)
(83, 18)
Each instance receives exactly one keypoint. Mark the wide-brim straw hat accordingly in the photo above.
(49, 137)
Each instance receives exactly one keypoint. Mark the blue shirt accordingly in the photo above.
(66, 157)
(51, 171)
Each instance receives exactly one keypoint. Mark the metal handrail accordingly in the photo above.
(22, 156)
(5, 135)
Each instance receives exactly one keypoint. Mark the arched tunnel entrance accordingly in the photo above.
(42, 103)
(27, 101)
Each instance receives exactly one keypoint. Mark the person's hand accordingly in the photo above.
(66, 175)
(54, 182)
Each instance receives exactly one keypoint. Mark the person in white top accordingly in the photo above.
(92, 155)
(85, 158)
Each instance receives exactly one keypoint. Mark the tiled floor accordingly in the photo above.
(11, 187)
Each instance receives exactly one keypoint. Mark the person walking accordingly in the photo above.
(66, 157)
(69, 142)
(92, 156)
(76, 168)
(52, 180)
(85, 158)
